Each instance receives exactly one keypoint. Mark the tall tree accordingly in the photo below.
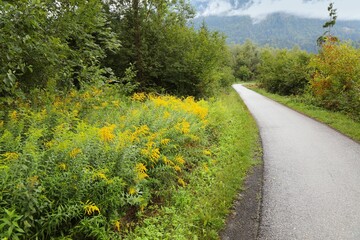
(328, 25)
(56, 41)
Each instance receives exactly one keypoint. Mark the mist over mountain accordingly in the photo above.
(278, 23)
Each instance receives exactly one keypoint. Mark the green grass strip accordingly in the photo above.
(199, 210)
(336, 120)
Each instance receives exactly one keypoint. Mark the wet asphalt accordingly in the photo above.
(311, 185)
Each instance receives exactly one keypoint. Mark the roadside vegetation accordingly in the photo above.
(116, 122)
(94, 164)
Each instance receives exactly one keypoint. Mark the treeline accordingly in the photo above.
(330, 78)
(279, 30)
(142, 45)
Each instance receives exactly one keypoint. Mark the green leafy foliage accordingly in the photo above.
(166, 54)
(335, 78)
(61, 41)
(284, 71)
(246, 59)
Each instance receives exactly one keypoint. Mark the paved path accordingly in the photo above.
(311, 175)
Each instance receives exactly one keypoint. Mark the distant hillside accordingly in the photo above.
(278, 30)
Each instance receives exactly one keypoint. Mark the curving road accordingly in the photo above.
(311, 175)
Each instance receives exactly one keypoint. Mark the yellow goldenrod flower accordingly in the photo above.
(13, 115)
(132, 190)
(166, 115)
(183, 127)
(141, 176)
(8, 156)
(139, 131)
(155, 155)
(62, 166)
(167, 161)
(90, 208)
(179, 159)
(106, 133)
(140, 170)
(177, 168)
(100, 175)
(104, 104)
(33, 180)
(165, 141)
(86, 95)
(205, 167)
(75, 152)
(117, 226)
(181, 182)
(138, 97)
(116, 103)
(73, 93)
(57, 103)
(207, 153)
(140, 167)
(159, 101)
(95, 91)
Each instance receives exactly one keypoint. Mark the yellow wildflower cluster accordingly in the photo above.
(140, 170)
(8, 156)
(90, 208)
(95, 91)
(207, 153)
(13, 115)
(165, 141)
(139, 97)
(151, 152)
(117, 226)
(139, 131)
(188, 105)
(100, 175)
(179, 159)
(75, 152)
(132, 190)
(107, 133)
(177, 168)
(191, 106)
(62, 166)
(33, 181)
(167, 161)
(162, 101)
(183, 127)
(181, 182)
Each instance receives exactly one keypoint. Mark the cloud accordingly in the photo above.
(259, 9)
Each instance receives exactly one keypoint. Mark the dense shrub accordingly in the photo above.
(246, 59)
(335, 78)
(88, 164)
(283, 71)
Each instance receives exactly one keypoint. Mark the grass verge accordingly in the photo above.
(339, 121)
(199, 210)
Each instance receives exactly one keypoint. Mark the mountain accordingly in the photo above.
(278, 29)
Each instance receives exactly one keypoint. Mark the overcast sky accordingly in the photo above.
(346, 9)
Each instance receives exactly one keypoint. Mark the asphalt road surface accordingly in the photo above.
(311, 175)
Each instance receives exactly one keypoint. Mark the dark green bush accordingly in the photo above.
(284, 71)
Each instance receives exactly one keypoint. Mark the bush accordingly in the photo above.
(284, 71)
(335, 78)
